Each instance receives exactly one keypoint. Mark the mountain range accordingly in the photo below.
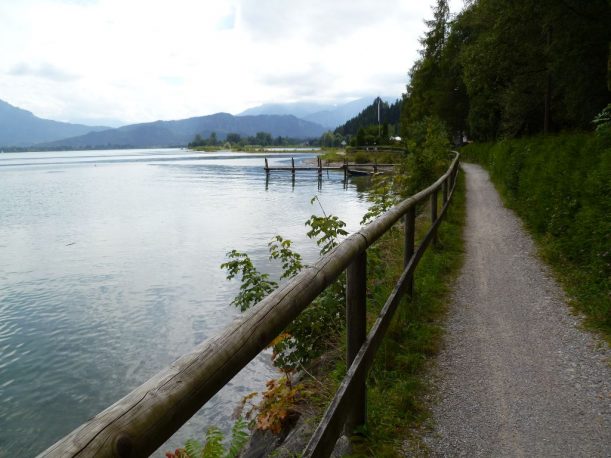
(181, 132)
(328, 116)
(21, 128)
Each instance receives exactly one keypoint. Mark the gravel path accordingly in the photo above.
(516, 377)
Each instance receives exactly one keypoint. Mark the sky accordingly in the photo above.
(126, 61)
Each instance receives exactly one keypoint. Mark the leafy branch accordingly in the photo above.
(280, 249)
(326, 230)
(213, 445)
(254, 284)
(382, 196)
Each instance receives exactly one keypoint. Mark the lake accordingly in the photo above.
(109, 271)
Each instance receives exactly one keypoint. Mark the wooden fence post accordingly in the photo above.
(453, 174)
(444, 189)
(356, 327)
(345, 169)
(293, 166)
(434, 214)
(410, 227)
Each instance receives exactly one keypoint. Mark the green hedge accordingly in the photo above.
(561, 187)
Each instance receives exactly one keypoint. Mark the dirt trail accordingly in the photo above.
(516, 377)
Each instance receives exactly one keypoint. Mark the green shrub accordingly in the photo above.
(560, 185)
(213, 446)
(313, 331)
(427, 157)
(361, 157)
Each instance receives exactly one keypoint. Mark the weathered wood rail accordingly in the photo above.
(144, 419)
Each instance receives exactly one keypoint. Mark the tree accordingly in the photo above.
(263, 139)
(212, 140)
(360, 137)
(198, 141)
(364, 129)
(507, 68)
(327, 139)
(435, 87)
(234, 138)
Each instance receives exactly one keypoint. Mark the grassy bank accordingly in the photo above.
(560, 186)
(397, 383)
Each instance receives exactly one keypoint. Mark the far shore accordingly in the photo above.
(258, 149)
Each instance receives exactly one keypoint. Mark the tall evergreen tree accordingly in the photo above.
(435, 87)
(512, 67)
(389, 114)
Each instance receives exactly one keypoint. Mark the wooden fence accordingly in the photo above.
(145, 418)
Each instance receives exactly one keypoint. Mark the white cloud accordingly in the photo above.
(141, 60)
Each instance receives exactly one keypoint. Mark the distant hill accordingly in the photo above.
(297, 109)
(342, 113)
(181, 132)
(19, 127)
(327, 115)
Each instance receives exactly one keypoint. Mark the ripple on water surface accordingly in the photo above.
(110, 270)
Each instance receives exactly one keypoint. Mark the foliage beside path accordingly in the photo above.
(560, 186)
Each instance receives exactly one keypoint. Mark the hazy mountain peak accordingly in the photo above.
(327, 115)
(7, 108)
(297, 109)
(19, 127)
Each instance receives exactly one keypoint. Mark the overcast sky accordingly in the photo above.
(143, 60)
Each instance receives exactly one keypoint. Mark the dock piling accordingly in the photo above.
(346, 168)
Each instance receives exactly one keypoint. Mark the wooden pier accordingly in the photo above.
(346, 168)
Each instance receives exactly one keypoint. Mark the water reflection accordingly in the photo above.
(361, 183)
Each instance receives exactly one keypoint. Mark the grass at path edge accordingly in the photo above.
(397, 383)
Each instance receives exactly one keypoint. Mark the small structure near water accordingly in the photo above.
(348, 169)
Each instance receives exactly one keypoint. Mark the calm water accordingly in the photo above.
(109, 270)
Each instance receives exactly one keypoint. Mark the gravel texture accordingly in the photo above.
(516, 376)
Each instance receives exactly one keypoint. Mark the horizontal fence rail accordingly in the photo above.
(347, 409)
(144, 419)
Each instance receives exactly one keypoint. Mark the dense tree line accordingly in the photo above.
(507, 68)
(365, 124)
(364, 128)
(389, 114)
(332, 139)
(235, 139)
